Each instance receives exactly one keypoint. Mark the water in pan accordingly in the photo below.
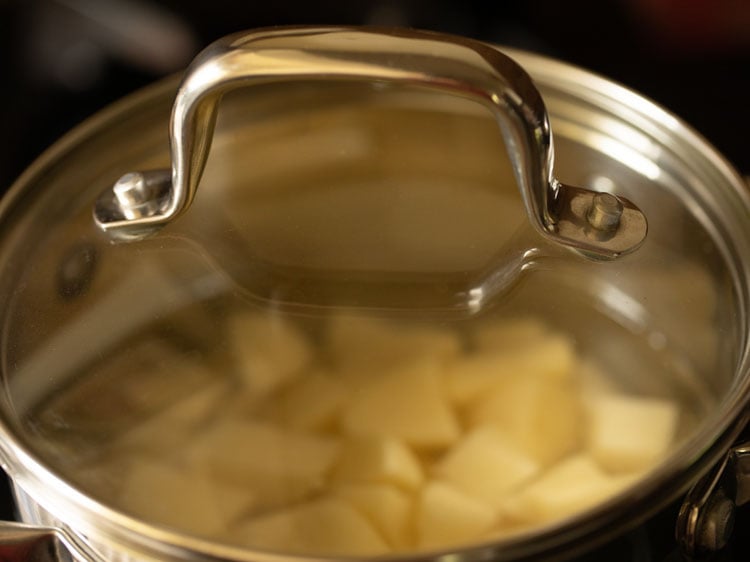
(279, 423)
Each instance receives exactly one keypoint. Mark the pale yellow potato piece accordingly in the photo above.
(269, 351)
(406, 404)
(279, 465)
(540, 416)
(569, 487)
(524, 398)
(467, 379)
(387, 507)
(486, 466)
(630, 433)
(359, 344)
(324, 527)
(445, 517)
(184, 499)
(375, 459)
(313, 402)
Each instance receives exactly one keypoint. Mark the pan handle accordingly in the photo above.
(706, 519)
(140, 203)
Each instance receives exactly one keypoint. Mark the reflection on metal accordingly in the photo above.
(139, 194)
(625, 146)
(605, 212)
(599, 225)
(25, 543)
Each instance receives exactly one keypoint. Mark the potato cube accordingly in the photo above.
(178, 497)
(628, 433)
(572, 486)
(445, 517)
(359, 344)
(472, 376)
(357, 448)
(388, 508)
(407, 404)
(372, 459)
(313, 402)
(279, 465)
(486, 467)
(269, 351)
(324, 527)
(541, 417)
(242, 446)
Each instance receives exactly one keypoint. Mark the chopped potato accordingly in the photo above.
(628, 433)
(469, 378)
(372, 459)
(269, 351)
(570, 487)
(313, 402)
(374, 437)
(486, 466)
(541, 417)
(280, 465)
(388, 508)
(445, 517)
(178, 497)
(327, 527)
(407, 404)
(238, 447)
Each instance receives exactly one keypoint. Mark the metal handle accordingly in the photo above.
(601, 225)
(706, 519)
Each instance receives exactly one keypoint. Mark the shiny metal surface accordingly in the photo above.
(460, 66)
(26, 543)
(138, 194)
(605, 212)
(706, 519)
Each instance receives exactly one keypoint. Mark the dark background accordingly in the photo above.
(62, 60)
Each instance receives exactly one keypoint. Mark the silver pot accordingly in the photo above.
(88, 299)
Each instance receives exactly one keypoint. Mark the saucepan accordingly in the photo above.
(338, 295)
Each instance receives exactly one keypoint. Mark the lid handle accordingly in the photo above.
(601, 226)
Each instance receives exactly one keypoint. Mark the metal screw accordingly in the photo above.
(605, 212)
(136, 196)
